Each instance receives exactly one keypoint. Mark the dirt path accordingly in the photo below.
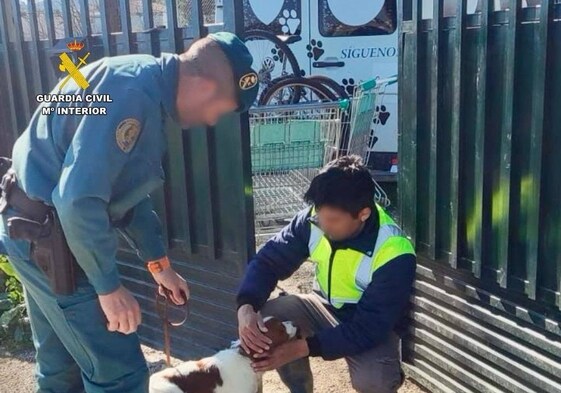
(16, 374)
(16, 367)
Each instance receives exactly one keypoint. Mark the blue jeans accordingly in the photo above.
(75, 351)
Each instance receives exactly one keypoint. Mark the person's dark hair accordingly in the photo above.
(344, 183)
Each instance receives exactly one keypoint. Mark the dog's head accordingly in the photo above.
(279, 332)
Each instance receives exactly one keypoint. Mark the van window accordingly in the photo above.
(280, 17)
(344, 18)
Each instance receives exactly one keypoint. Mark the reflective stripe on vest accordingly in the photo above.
(352, 270)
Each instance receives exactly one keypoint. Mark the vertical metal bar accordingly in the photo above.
(148, 22)
(148, 14)
(126, 24)
(179, 181)
(532, 186)
(67, 17)
(34, 46)
(234, 22)
(197, 23)
(9, 93)
(85, 18)
(171, 11)
(247, 237)
(455, 131)
(434, 87)
(501, 197)
(233, 16)
(211, 212)
(408, 107)
(50, 19)
(479, 138)
(105, 28)
(19, 47)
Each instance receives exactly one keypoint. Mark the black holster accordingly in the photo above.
(38, 223)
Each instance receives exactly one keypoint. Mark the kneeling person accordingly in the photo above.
(365, 268)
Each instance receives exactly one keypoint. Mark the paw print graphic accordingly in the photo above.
(349, 85)
(382, 115)
(278, 54)
(315, 49)
(289, 21)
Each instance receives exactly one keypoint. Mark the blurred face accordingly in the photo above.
(203, 104)
(339, 224)
(215, 109)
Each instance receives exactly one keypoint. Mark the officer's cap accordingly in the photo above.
(246, 80)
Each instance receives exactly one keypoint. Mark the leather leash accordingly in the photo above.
(162, 306)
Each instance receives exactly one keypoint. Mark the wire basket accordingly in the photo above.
(289, 145)
(366, 97)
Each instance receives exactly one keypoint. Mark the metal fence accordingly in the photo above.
(480, 179)
(206, 203)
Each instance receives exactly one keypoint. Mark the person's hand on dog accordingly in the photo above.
(251, 328)
(176, 284)
(281, 355)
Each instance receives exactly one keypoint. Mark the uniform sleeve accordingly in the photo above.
(380, 308)
(279, 258)
(143, 231)
(91, 166)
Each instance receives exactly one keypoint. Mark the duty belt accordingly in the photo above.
(13, 196)
(39, 224)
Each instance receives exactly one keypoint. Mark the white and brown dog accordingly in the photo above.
(229, 371)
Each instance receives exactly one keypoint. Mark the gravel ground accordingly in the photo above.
(16, 365)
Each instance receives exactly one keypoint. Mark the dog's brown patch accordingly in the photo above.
(276, 331)
(205, 380)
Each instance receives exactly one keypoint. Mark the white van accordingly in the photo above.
(348, 41)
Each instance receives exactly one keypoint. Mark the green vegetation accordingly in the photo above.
(14, 323)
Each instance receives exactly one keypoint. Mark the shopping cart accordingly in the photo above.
(367, 96)
(289, 145)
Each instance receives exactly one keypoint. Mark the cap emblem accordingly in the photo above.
(248, 81)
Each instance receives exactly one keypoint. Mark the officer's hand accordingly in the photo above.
(251, 328)
(175, 283)
(121, 310)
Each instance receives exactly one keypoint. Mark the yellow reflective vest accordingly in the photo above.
(342, 275)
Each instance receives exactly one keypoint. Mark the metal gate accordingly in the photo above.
(206, 204)
(480, 179)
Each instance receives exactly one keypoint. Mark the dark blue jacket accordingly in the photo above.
(382, 308)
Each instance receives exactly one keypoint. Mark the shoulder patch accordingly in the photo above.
(127, 133)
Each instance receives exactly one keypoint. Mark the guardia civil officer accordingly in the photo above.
(76, 181)
(364, 272)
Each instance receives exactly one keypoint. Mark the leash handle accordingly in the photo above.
(162, 306)
(163, 302)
